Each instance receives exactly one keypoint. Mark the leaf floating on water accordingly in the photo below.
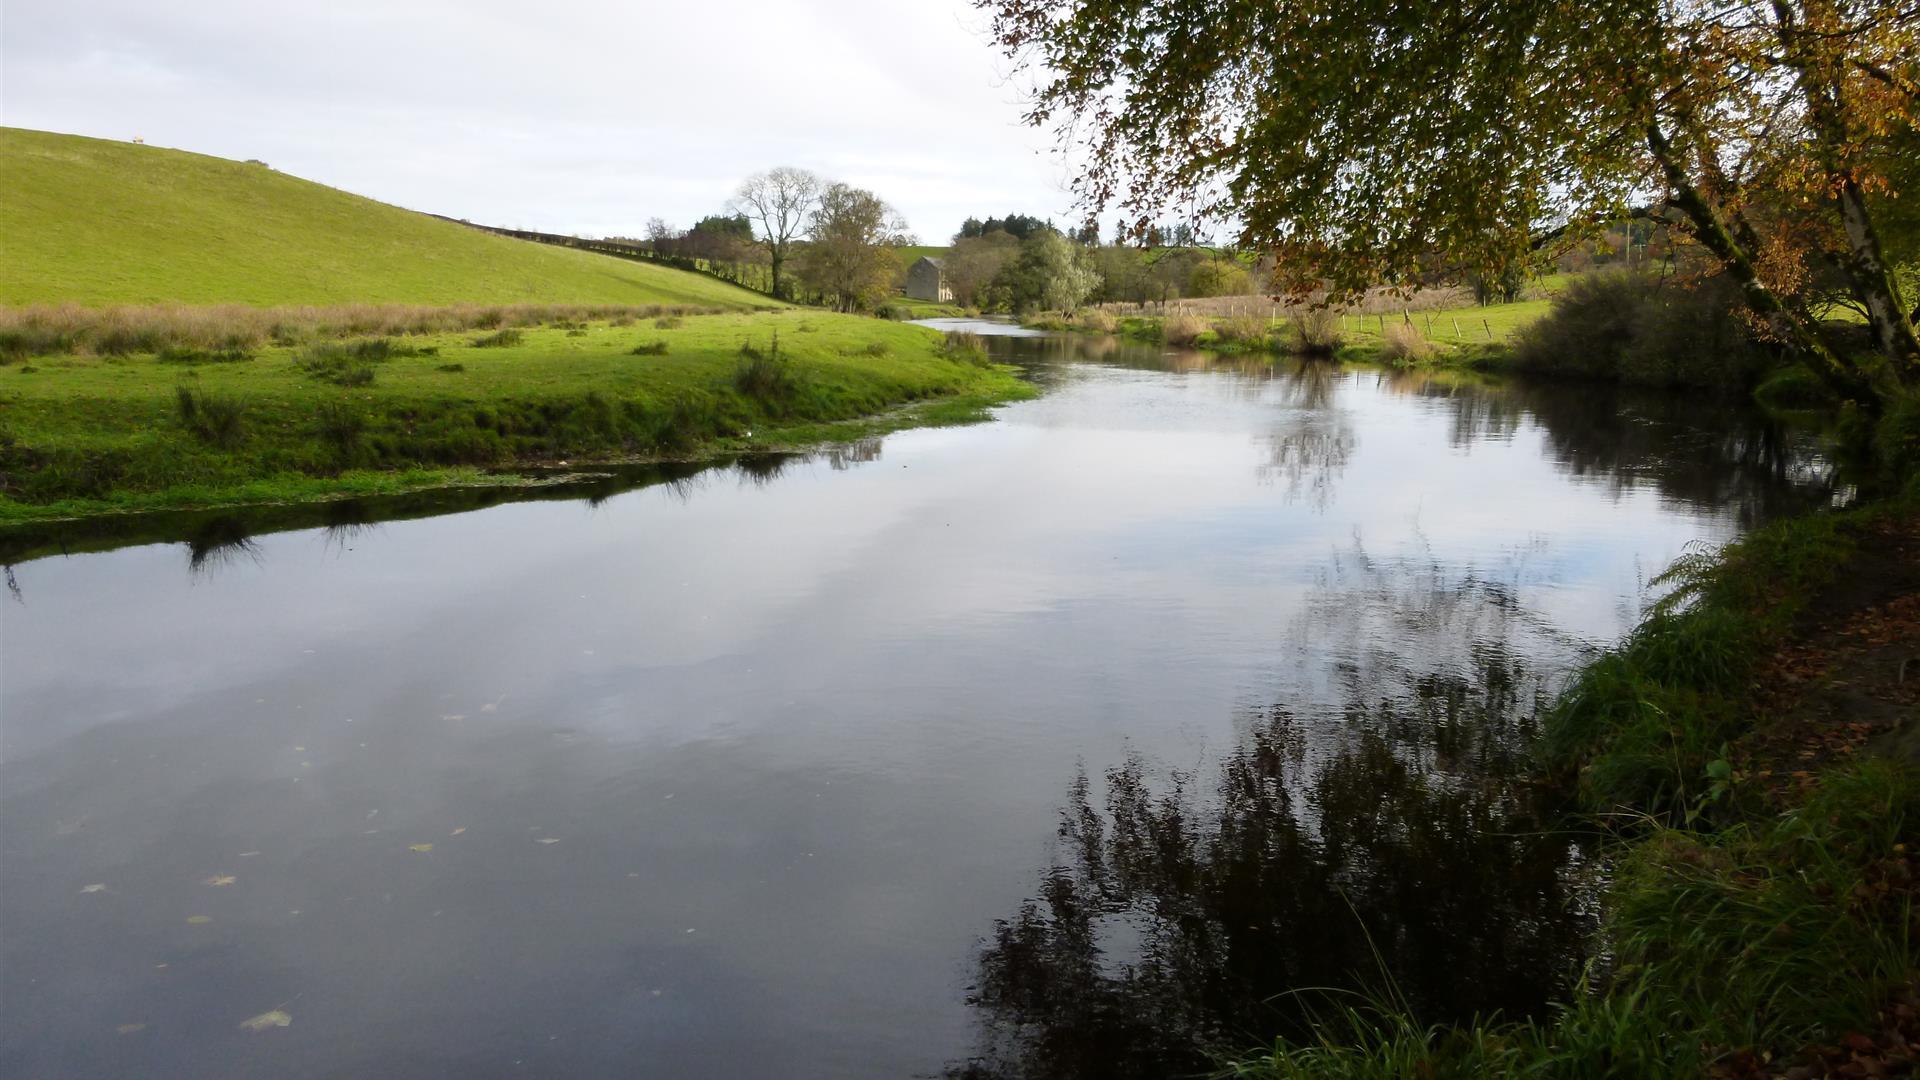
(93, 888)
(248, 854)
(220, 879)
(548, 840)
(199, 920)
(459, 830)
(276, 1018)
(128, 1029)
(420, 847)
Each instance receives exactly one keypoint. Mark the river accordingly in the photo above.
(1053, 746)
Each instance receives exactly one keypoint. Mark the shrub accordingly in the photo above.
(1244, 329)
(764, 376)
(1182, 329)
(1638, 329)
(650, 348)
(501, 339)
(451, 367)
(343, 364)
(1405, 344)
(1318, 332)
(667, 322)
(340, 426)
(1096, 321)
(213, 419)
(966, 348)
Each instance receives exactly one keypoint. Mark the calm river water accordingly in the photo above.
(1055, 746)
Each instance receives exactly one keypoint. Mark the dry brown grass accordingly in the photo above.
(1096, 321)
(46, 330)
(1404, 343)
(1183, 329)
(1318, 331)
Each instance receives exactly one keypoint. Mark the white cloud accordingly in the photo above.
(571, 115)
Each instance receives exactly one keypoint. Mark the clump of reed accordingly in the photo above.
(650, 348)
(214, 419)
(1096, 321)
(966, 348)
(1317, 331)
(764, 375)
(350, 363)
(1405, 344)
(1182, 329)
(71, 329)
(499, 339)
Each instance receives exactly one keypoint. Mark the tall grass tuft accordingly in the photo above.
(1317, 331)
(766, 377)
(650, 348)
(499, 339)
(212, 418)
(1405, 344)
(966, 348)
(1182, 329)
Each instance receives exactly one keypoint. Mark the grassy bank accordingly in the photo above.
(193, 426)
(1749, 745)
(97, 222)
(1432, 331)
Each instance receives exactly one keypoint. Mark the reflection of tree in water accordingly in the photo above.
(1312, 449)
(1712, 454)
(1380, 843)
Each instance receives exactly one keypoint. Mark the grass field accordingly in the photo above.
(83, 434)
(96, 222)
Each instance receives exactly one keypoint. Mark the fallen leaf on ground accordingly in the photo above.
(221, 879)
(266, 1020)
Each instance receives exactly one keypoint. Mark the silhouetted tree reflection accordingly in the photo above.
(1400, 854)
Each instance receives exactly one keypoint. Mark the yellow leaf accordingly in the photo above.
(199, 920)
(266, 1020)
(419, 847)
(221, 879)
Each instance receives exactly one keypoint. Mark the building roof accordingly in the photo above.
(938, 263)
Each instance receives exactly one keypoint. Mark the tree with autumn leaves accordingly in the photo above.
(1371, 141)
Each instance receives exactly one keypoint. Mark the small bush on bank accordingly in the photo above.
(766, 377)
(1405, 344)
(340, 426)
(967, 348)
(1645, 330)
(1245, 329)
(667, 322)
(501, 339)
(1318, 332)
(650, 348)
(1182, 330)
(212, 418)
(1096, 321)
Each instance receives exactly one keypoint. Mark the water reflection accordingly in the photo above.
(1401, 857)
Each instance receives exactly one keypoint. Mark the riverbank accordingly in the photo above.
(1751, 746)
(1451, 335)
(350, 416)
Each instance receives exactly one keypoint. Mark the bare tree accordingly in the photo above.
(779, 202)
(660, 234)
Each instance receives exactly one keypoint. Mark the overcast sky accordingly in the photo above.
(563, 115)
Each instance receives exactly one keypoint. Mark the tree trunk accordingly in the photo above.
(1792, 325)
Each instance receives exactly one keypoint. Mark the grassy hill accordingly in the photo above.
(97, 222)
